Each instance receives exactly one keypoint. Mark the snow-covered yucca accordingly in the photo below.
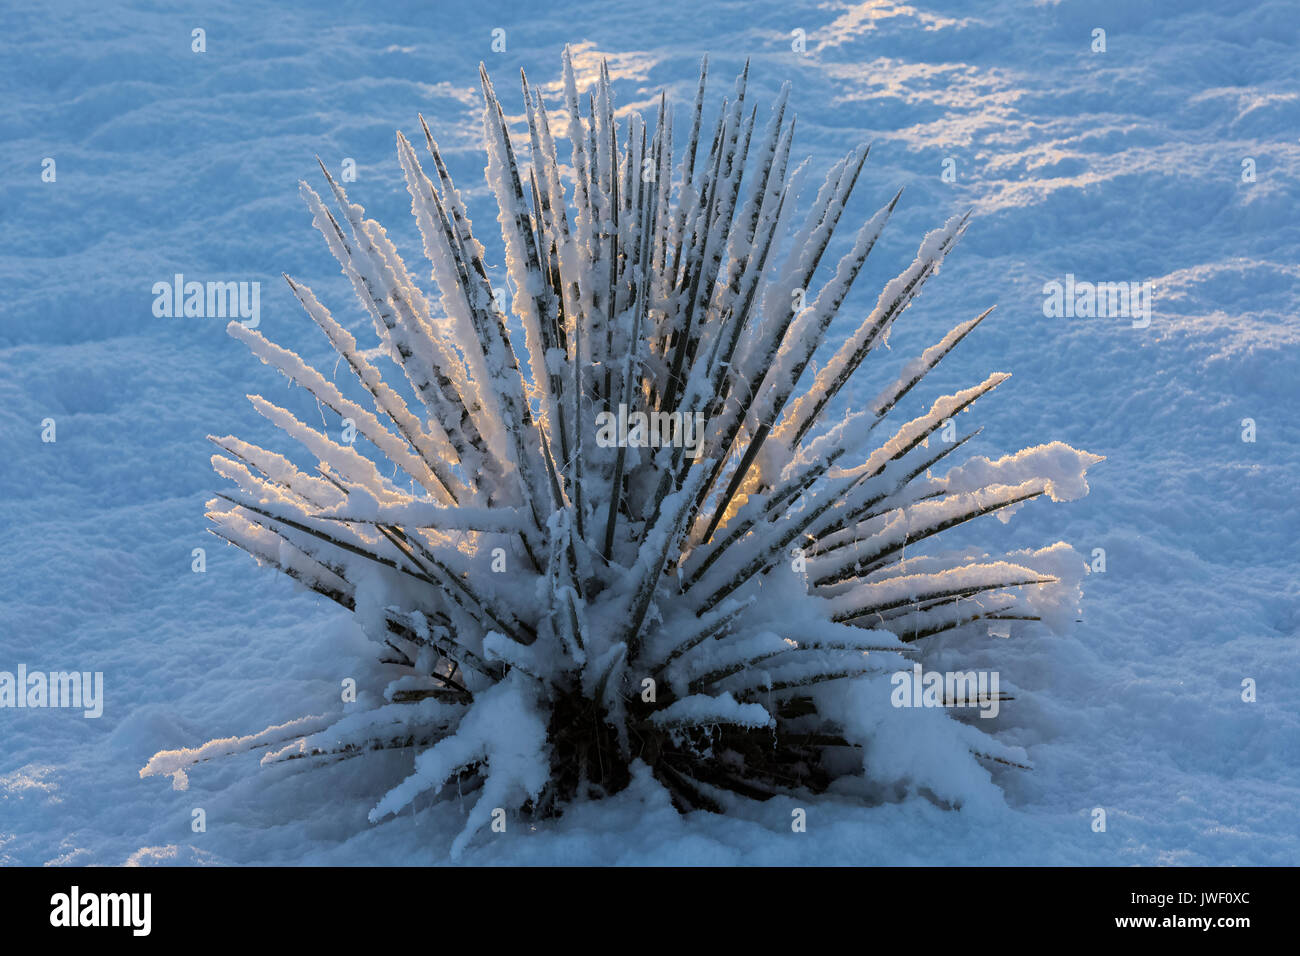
(566, 612)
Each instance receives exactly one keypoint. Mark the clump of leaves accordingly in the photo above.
(564, 610)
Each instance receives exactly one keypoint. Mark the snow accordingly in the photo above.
(1062, 467)
(1123, 166)
(172, 763)
(702, 710)
(500, 730)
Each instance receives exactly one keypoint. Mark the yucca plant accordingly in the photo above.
(562, 609)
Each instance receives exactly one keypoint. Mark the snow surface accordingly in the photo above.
(1122, 166)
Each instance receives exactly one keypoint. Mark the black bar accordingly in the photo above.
(939, 907)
